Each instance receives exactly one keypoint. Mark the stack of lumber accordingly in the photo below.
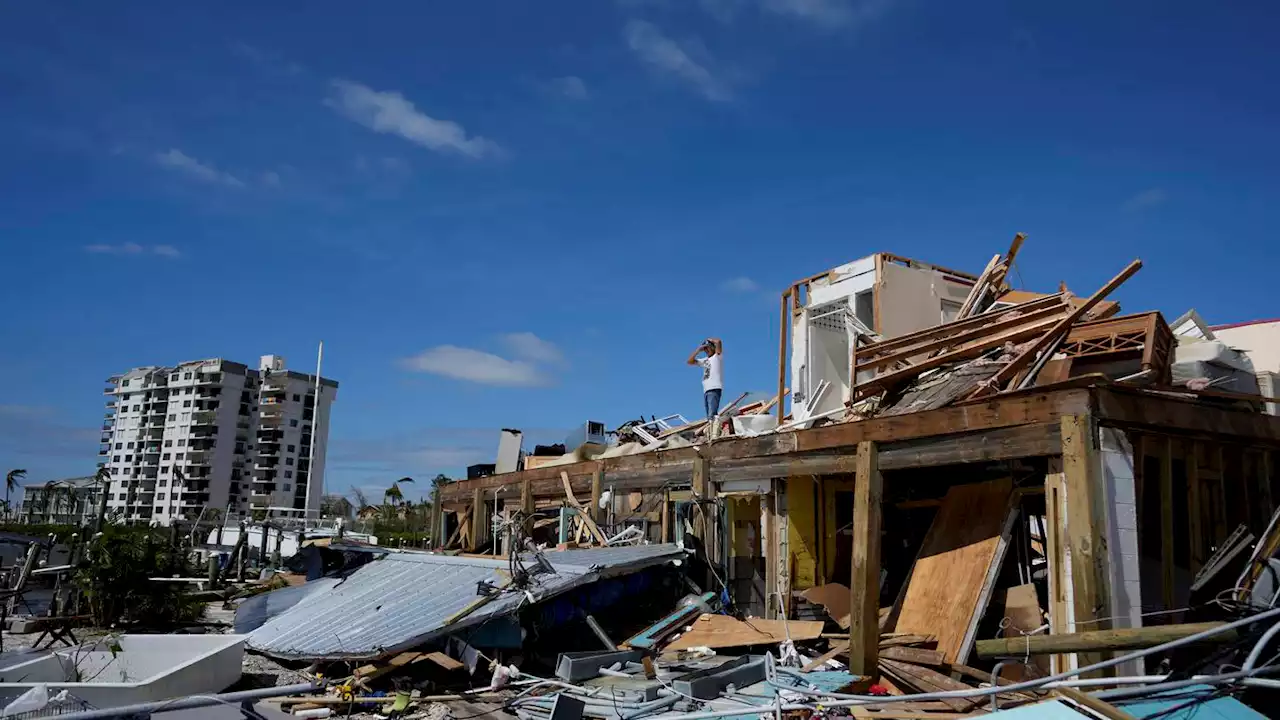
(991, 347)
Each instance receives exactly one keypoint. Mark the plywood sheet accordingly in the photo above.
(950, 581)
(722, 631)
(834, 597)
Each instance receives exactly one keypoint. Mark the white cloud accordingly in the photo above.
(130, 248)
(391, 113)
(476, 366)
(527, 346)
(741, 284)
(828, 13)
(1146, 199)
(271, 178)
(669, 56)
(570, 86)
(180, 162)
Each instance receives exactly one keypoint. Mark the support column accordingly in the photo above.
(1085, 523)
(527, 505)
(1167, 574)
(864, 580)
(597, 481)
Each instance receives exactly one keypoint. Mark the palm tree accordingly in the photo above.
(393, 496)
(10, 484)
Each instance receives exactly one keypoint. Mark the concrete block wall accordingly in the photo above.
(1119, 488)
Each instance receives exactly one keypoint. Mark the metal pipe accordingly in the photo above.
(1258, 647)
(194, 701)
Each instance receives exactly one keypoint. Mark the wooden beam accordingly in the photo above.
(1095, 640)
(864, 583)
(1024, 409)
(1084, 523)
(1126, 407)
(1010, 443)
(1016, 365)
(784, 328)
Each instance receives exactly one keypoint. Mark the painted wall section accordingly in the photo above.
(802, 528)
(1260, 342)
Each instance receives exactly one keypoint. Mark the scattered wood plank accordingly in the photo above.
(924, 680)
(722, 631)
(825, 658)
(907, 640)
(955, 566)
(916, 656)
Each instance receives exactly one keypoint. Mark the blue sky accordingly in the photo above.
(501, 213)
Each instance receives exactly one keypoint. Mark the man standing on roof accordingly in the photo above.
(712, 373)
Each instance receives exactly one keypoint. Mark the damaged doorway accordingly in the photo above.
(746, 566)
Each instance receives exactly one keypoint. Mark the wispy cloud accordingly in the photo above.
(182, 163)
(570, 86)
(391, 113)
(527, 346)
(527, 368)
(829, 13)
(662, 53)
(1145, 200)
(476, 366)
(740, 284)
(38, 437)
(130, 248)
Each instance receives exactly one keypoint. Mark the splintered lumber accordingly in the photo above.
(951, 580)
(906, 640)
(1017, 330)
(825, 658)
(583, 515)
(1016, 365)
(1097, 640)
(915, 656)
(722, 631)
(924, 680)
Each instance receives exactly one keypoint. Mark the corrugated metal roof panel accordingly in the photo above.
(402, 600)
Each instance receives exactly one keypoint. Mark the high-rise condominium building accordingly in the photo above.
(215, 434)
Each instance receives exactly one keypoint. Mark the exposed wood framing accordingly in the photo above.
(1085, 524)
(1167, 574)
(784, 330)
(1055, 553)
(1050, 338)
(864, 600)
(1195, 523)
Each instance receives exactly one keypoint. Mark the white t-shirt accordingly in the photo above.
(712, 372)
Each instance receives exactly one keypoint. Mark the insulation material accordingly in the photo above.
(1225, 368)
(952, 578)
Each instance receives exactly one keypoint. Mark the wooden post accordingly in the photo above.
(864, 580)
(701, 479)
(479, 519)
(1085, 524)
(1195, 512)
(666, 515)
(597, 488)
(783, 327)
(1166, 522)
(1055, 553)
(526, 504)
